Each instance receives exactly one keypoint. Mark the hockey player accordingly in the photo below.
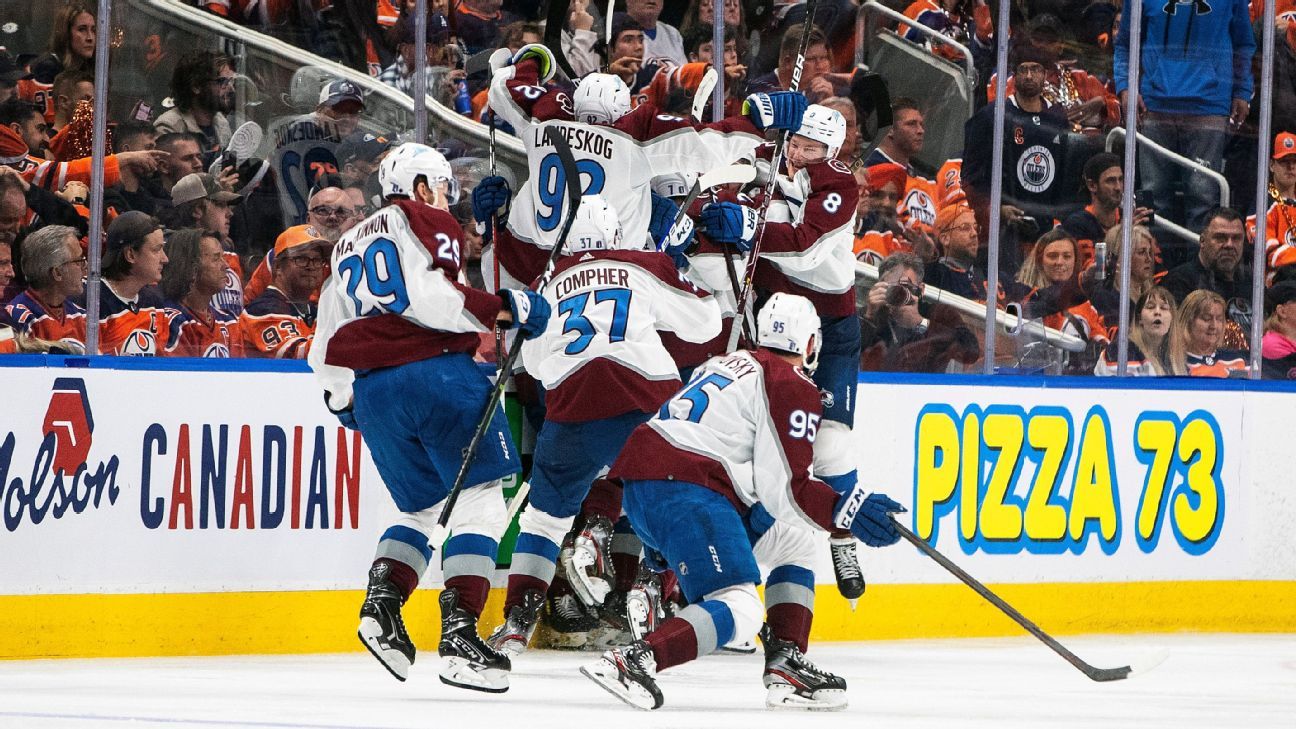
(742, 432)
(605, 371)
(807, 251)
(618, 151)
(393, 348)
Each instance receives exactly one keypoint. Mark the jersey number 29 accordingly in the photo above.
(379, 270)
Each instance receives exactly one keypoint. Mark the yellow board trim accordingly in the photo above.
(102, 626)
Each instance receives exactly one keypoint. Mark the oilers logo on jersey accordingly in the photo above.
(139, 343)
(1036, 168)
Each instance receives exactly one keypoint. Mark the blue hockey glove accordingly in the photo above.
(674, 241)
(346, 415)
(529, 310)
(542, 55)
(868, 517)
(490, 198)
(729, 223)
(776, 110)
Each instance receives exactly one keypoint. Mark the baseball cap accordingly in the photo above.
(1284, 144)
(1283, 292)
(336, 92)
(364, 146)
(438, 28)
(200, 185)
(130, 227)
(296, 237)
(10, 71)
(1046, 24)
(948, 214)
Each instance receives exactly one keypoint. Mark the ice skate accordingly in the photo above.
(850, 579)
(627, 673)
(644, 610)
(381, 628)
(793, 682)
(512, 637)
(613, 630)
(568, 622)
(470, 662)
(588, 564)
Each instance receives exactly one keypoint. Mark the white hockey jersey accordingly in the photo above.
(396, 296)
(601, 354)
(744, 426)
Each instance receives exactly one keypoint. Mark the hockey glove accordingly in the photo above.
(542, 55)
(729, 223)
(490, 198)
(776, 110)
(346, 415)
(868, 517)
(529, 310)
(674, 241)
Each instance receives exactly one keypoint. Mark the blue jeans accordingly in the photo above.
(1199, 138)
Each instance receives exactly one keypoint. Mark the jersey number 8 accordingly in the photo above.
(380, 272)
(551, 187)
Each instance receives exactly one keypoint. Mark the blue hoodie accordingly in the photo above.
(1196, 55)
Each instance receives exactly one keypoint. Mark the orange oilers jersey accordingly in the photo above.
(216, 335)
(132, 328)
(1280, 232)
(949, 184)
(65, 324)
(919, 204)
(54, 176)
(872, 246)
(1223, 363)
(42, 95)
(275, 327)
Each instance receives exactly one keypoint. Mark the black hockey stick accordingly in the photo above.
(1097, 674)
(776, 161)
(559, 142)
(554, 22)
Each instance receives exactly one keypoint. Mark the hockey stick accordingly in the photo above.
(703, 93)
(559, 142)
(554, 22)
(776, 161)
(494, 231)
(1097, 674)
(519, 500)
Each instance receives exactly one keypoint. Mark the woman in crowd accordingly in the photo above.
(1196, 336)
(1278, 348)
(1103, 288)
(1153, 316)
(1056, 296)
(72, 40)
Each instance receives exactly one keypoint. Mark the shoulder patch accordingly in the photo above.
(838, 165)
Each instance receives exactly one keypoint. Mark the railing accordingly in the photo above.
(863, 33)
(1118, 134)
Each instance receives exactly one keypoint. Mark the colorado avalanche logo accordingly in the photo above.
(1035, 169)
(139, 343)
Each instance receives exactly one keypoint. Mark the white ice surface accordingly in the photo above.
(1208, 681)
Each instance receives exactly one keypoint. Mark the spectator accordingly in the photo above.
(332, 212)
(184, 158)
(478, 23)
(1104, 178)
(71, 88)
(24, 208)
(55, 268)
(1056, 296)
(579, 39)
(816, 83)
(901, 144)
(1090, 107)
(879, 234)
(280, 323)
(1278, 348)
(704, 16)
(195, 273)
(1197, 336)
(901, 333)
(663, 43)
(1218, 266)
(1033, 151)
(132, 317)
(13, 207)
(1104, 290)
(6, 269)
(850, 149)
(1280, 219)
(627, 53)
(202, 87)
(72, 37)
(440, 53)
(200, 202)
(954, 20)
(307, 145)
(134, 192)
(697, 48)
(10, 74)
(956, 271)
(1195, 84)
(1147, 356)
(359, 154)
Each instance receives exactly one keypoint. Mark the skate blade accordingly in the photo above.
(462, 673)
(745, 648)
(784, 696)
(370, 634)
(605, 674)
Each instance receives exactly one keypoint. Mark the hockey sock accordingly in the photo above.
(789, 604)
(699, 629)
(407, 551)
(534, 560)
(402, 576)
(626, 549)
(604, 499)
(467, 563)
(674, 641)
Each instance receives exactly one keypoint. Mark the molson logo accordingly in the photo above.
(60, 481)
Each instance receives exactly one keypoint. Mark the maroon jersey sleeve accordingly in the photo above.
(795, 411)
(441, 235)
(833, 197)
(542, 102)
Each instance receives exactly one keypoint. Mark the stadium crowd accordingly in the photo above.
(217, 239)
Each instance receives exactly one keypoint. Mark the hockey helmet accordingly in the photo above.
(405, 164)
(824, 125)
(674, 184)
(597, 227)
(789, 323)
(601, 98)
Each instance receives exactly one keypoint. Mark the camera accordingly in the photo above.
(902, 293)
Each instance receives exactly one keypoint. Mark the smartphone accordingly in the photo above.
(228, 160)
(1143, 199)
